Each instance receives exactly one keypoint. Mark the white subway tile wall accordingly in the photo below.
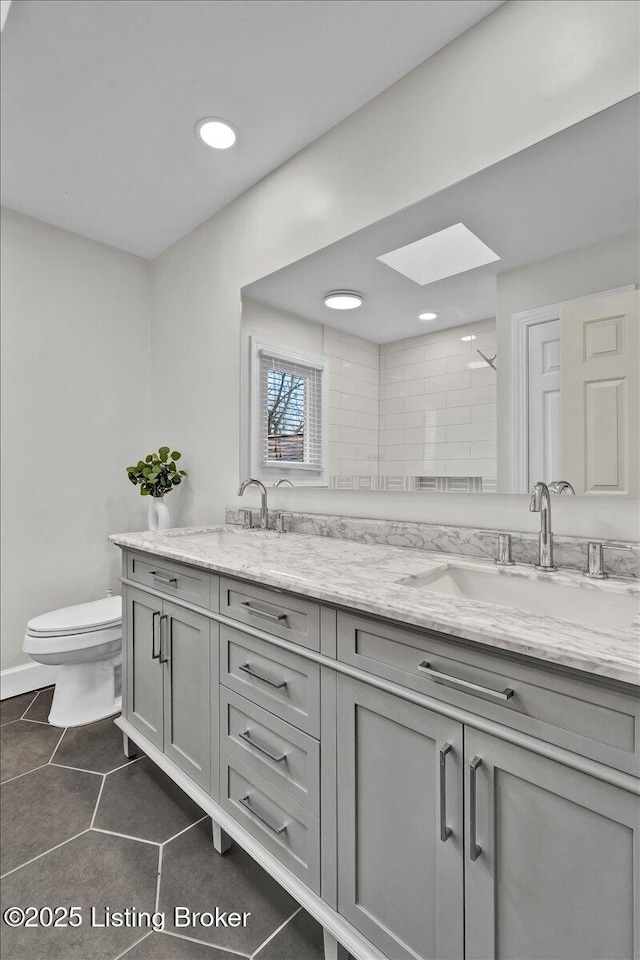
(354, 415)
(438, 414)
(413, 408)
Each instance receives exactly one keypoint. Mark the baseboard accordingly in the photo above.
(30, 676)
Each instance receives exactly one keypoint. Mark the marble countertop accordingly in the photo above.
(366, 577)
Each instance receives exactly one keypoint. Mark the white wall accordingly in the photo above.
(589, 270)
(526, 72)
(354, 420)
(75, 412)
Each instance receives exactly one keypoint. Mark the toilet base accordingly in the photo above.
(85, 692)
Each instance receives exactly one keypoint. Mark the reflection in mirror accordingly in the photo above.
(495, 344)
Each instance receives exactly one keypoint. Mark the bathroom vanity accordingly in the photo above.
(429, 775)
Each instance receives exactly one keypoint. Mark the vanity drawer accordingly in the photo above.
(280, 681)
(273, 612)
(174, 579)
(282, 754)
(285, 828)
(584, 716)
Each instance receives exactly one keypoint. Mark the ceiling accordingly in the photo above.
(100, 98)
(574, 189)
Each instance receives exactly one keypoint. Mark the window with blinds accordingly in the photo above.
(290, 412)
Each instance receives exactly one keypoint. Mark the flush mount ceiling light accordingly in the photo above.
(428, 315)
(216, 133)
(343, 300)
(443, 254)
(471, 336)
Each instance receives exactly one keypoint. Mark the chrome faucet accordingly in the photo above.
(541, 503)
(264, 513)
(561, 486)
(281, 482)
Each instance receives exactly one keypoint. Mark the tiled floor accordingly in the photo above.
(84, 827)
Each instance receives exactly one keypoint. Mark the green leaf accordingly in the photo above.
(176, 455)
(183, 473)
(176, 480)
(144, 492)
(149, 457)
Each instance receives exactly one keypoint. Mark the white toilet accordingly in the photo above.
(85, 643)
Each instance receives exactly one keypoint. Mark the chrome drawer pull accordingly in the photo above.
(164, 578)
(273, 617)
(246, 802)
(474, 849)
(169, 623)
(154, 621)
(445, 831)
(252, 743)
(246, 668)
(455, 682)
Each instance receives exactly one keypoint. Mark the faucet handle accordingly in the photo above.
(504, 558)
(280, 525)
(595, 558)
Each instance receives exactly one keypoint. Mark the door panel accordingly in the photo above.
(554, 877)
(186, 652)
(545, 461)
(398, 882)
(143, 680)
(601, 394)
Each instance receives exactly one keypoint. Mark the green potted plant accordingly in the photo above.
(156, 476)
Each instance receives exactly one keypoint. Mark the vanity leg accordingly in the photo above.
(129, 748)
(333, 950)
(221, 840)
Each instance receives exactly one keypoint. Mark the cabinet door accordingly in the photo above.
(186, 653)
(143, 671)
(400, 882)
(556, 858)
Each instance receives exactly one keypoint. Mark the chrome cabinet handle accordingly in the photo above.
(246, 802)
(154, 655)
(164, 578)
(273, 617)
(445, 831)
(246, 668)
(474, 849)
(252, 743)
(164, 619)
(457, 682)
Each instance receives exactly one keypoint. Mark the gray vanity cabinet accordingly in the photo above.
(400, 822)
(143, 704)
(187, 689)
(556, 858)
(168, 680)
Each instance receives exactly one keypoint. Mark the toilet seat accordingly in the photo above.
(35, 644)
(73, 622)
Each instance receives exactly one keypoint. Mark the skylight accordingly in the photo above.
(444, 254)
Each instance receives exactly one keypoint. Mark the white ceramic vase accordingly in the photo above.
(158, 514)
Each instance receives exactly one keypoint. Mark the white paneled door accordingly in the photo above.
(600, 387)
(544, 402)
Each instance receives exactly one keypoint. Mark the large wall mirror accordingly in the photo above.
(478, 341)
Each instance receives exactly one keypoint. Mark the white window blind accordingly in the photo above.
(290, 412)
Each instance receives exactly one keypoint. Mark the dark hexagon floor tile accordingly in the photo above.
(163, 946)
(195, 876)
(25, 746)
(300, 939)
(95, 746)
(94, 870)
(141, 801)
(43, 809)
(14, 707)
(39, 709)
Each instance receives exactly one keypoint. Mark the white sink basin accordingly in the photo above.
(602, 606)
(222, 536)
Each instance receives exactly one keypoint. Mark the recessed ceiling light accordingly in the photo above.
(429, 315)
(471, 336)
(343, 300)
(216, 133)
(444, 254)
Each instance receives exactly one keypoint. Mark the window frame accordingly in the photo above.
(301, 474)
